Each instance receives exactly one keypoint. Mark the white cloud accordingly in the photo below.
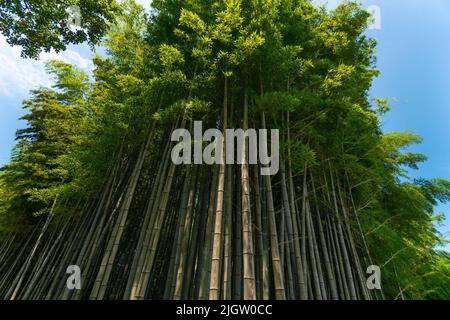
(144, 3)
(18, 75)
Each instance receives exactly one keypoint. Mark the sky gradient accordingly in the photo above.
(414, 60)
(413, 57)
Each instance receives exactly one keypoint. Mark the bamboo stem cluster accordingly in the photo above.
(158, 230)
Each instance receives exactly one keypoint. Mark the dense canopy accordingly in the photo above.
(91, 182)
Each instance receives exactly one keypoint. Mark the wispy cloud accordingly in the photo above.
(18, 75)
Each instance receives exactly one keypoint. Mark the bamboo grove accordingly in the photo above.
(91, 182)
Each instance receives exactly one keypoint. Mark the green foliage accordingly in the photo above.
(290, 58)
(38, 168)
(37, 25)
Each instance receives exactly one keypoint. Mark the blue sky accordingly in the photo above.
(413, 56)
(414, 60)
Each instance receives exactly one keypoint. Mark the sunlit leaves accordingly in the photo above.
(41, 26)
